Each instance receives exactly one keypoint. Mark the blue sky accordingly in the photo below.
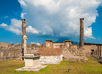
(52, 19)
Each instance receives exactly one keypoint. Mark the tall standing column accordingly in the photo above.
(23, 31)
(81, 32)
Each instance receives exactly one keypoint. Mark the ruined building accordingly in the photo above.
(51, 44)
(51, 49)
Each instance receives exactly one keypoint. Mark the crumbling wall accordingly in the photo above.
(88, 49)
(75, 46)
(58, 45)
(3, 45)
(73, 54)
(9, 53)
(12, 51)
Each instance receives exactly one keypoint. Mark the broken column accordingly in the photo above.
(23, 30)
(81, 32)
(24, 46)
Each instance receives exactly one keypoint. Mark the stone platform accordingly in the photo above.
(37, 68)
(32, 63)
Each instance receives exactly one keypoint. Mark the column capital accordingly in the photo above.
(81, 18)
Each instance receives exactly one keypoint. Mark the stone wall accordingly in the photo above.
(58, 45)
(73, 54)
(48, 43)
(88, 49)
(51, 44)
(51, 59)
(11, 51)
(75, 46)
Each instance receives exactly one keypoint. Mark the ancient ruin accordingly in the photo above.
(23, 30)
(51, 52)
(31, 63)
(81, 32)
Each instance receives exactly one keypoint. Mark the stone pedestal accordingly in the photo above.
(31, 63)
(31, 60)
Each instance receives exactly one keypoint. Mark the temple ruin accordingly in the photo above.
(52, 50)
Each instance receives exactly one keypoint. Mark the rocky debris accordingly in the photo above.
(74, 54)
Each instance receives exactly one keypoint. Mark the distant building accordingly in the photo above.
(51, 44)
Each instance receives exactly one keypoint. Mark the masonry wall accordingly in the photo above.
(15, 51)
(51, 59)
(58, 45)
(75, 46)
(48, 44)
(88, 49)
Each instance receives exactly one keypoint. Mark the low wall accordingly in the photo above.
(14, 52)
(51, 59)
(9, 53)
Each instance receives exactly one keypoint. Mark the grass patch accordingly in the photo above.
(91, 66)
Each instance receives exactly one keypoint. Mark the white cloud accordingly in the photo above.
(14, 30)
(37, 43)
(88, 33)
(22, 15)
(16, 23)
(16, 27)
(6, 16)
(3, 25)
(60, 18)
(33, 43)
(32, 30)
(22, 2)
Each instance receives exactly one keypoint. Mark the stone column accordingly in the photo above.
(25, 46)
(81, 32)
(23, 30)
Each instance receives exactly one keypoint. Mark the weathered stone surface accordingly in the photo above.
(25, 44)
(50, 44)
(37, 68)
(31, 63)
(81, 32)
(3, 45)
(23, 30)
(73, 54)
(51, 59)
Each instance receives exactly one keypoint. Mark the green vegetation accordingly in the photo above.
(91, 66)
